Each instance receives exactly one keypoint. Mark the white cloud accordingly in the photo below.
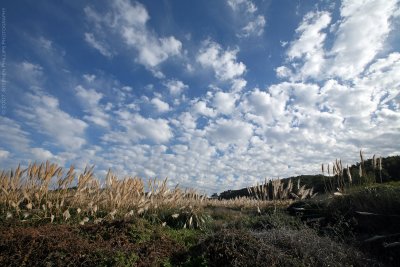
(246, 15)
(138, 128)
(246, 5)
(254, 27)
(4, 154)
(187, 121)
(310, 37)
(151, 51)
(128, 20)
(224, 102)
(33, 69)
(234, 4)
(200, 107)
(361, 34)
(266, 107)
(42, 112)
(175, 87)
(283, 72)
(222, 139)
(41, 154)
(224, 63)
(160, 105)
(307, 48)
(13, 136)
(225, 132)
(358, 37)
(383, 79)
(29, 73)
(90, 100)
(89, 77)
(348, 102)
(98, 45)
(238, 85)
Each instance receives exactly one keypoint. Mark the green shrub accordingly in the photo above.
(184, 237)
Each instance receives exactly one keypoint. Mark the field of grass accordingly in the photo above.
(54, 217)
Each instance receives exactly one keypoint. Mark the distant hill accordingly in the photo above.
(390, 172)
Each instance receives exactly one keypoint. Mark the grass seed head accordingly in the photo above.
(66, 214)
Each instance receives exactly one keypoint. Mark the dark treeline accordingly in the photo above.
(390, 172)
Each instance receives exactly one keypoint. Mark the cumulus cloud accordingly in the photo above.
(128, 20)
(224, 102)
(265, 107)
(358, 37)
(351, 100)
(13, 136)
(225, 132)
(233, 136)
(307, 49)
(42, 112)
(200, 107)
(175, 87)
(238, 85)
(90, 100)
(361, 34)
(310, 37)
(160, 105)
(224, 63)
(383, 80)
(41, 154)
(137, 128)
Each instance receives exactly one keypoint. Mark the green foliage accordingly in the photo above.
(185, 237)
(196, 261)
(123, 260)
(275, 220)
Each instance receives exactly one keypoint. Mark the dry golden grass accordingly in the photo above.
(48, 192)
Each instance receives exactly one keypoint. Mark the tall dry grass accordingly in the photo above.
(341, 178)
(47, 191)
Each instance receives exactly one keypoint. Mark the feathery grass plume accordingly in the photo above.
(361, 156)
(323, 177)
(85, 220)
(340, 178)
(374, 165)
(374, 162)
(380, 167)
(334, 171)
(66, 214)
(362, 163)
(349, 175)
(44, 190)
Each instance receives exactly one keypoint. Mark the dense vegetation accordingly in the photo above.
(390, 172)
(47, 220)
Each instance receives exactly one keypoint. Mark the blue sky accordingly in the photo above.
(212, 94)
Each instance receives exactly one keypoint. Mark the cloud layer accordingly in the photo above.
(219, 124)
